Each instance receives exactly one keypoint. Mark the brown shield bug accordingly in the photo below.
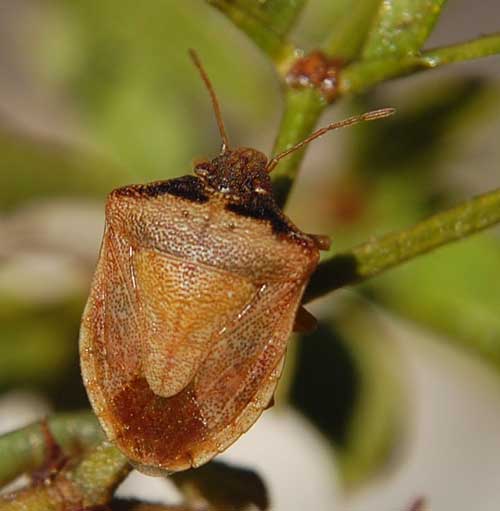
(197, 289)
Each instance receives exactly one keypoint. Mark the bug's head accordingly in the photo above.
(245, 171)
(240, 172)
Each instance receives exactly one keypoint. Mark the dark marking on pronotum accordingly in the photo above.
(263, 208)
(186, 187)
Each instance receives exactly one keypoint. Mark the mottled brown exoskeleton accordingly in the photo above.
(197, 289)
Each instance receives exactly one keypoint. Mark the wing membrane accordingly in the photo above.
(179, 358)
(246, 353)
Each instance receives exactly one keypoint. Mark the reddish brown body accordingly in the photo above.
(194, 297)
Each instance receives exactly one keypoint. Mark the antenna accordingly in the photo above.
(368, 116)
(215, 103)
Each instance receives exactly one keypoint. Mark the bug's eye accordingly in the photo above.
(201, 172)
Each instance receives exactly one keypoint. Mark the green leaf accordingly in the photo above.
(401, 27)
(266, 22)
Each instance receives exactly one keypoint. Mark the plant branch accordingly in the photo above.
(88, 484)
(375, 256)
(401, 27)
(303, 108)
(24, 450)
(99, 473)
(350, 31)
(362, 75)
(266, 23)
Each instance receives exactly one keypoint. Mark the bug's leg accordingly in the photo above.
(305, 322)
(322, 241)
(270, 404)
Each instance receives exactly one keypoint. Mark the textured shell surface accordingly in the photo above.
(194, 297)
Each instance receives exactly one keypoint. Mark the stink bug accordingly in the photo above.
(197, 289)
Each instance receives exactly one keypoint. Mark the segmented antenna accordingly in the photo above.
(368, 116)
(215, 103)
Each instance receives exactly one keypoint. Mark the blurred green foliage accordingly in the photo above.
(347, 383)
(34, 169)
(267, 23)
(126, 69)
(451, 291)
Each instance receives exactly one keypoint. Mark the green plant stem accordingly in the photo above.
(99, 473)
(362, 75)
(378, 255)
(90, 483)
(24, 450)
(401, 27)
(303, 108)
(350, 31)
